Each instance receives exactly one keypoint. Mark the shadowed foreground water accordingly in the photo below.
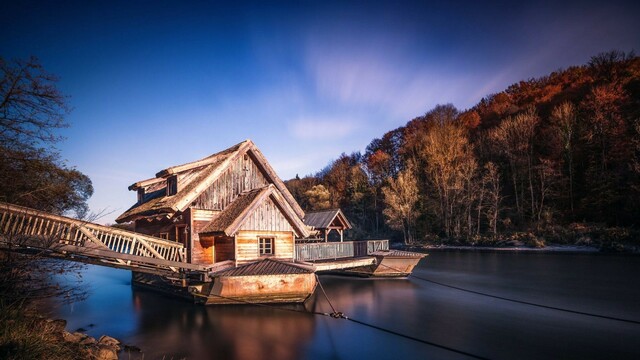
(487, 327)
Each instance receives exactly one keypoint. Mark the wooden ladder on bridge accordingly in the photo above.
(26, 228)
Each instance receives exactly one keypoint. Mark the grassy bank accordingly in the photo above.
(28, 285)
(25, 335)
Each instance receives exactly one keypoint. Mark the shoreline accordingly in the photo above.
(546, 249)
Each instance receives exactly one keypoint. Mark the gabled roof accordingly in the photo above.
(266, 267)
(233, 216)
(194, 178)
(323, 219)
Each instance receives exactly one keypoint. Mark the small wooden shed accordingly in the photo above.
(327, 220)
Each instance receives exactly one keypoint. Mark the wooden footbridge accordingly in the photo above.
(27, 229)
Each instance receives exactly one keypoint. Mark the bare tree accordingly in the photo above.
(492, 181)
(566, 118)
(451, 168)
(32, 110)
(31, 107)
(514, 138)
(401, 197)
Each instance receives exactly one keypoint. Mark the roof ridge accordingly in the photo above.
(207, 160)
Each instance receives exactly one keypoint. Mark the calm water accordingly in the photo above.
(476, 324)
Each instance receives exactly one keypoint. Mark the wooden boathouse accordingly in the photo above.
(230, 206)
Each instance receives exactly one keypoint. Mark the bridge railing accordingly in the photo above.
(21, 222)
(338, 250)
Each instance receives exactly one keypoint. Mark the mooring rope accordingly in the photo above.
(339, 315)
(334, 314)
(418, 340)
(519, 301)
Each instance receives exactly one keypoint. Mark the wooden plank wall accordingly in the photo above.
(224, 248)
(242, 175)
(155, 227)
(202, 247)
(267, 217)
(247, 245)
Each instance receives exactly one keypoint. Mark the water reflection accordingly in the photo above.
(175, 328)
(172, 328)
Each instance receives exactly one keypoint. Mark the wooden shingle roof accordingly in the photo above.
(224, 221)
(325, 218)
(194, 178)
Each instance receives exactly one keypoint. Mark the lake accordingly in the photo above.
(433, 314)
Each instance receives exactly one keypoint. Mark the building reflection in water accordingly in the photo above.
(173, 328)
(169, 327)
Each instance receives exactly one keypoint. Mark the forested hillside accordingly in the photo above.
(547, 158)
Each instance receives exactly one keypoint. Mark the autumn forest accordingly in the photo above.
(554, 159)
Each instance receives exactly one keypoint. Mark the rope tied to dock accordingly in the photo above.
(338, 315)
(334, 314)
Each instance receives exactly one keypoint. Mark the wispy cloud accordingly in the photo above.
(375, 80)
(307, 128)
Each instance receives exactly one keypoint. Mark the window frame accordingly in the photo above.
(172, 185)
(266, 243)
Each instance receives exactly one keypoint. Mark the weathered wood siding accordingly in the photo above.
(224, 248)
(202, 250)
(242, 175)
(247, 245)
(156, 227)
(267, 217)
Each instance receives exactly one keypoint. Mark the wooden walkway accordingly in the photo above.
(29, 229)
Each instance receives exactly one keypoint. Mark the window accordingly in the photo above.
(164, 236)
(266, 246)
(172, 185)
(140, 195)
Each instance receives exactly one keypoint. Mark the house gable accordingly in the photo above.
(267, 216)
(257, 210)
(242, 175)
(211, 183)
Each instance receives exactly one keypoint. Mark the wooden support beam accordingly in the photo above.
(95, 240)
(103, 254)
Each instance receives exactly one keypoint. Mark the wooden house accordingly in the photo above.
(324, 221)
(228, 206)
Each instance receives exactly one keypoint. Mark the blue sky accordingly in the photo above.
(158, 83)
